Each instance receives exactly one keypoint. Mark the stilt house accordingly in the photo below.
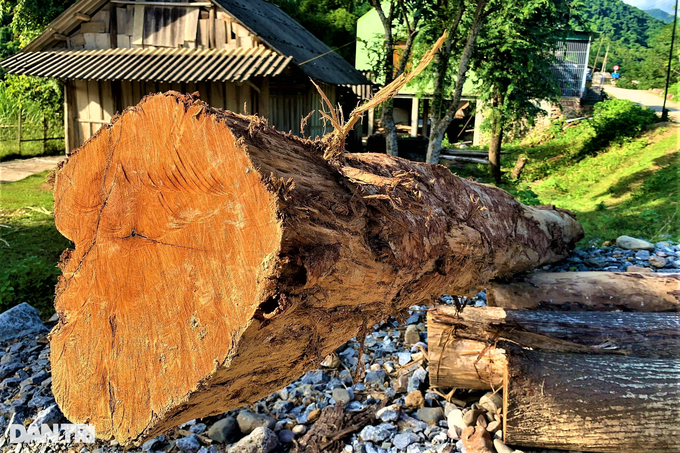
(242, 55)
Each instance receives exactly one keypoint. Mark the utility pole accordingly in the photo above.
(604, 63)
(597, 57)
(664, 112)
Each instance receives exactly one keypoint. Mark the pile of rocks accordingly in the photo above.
(626, 253)
(393, 370)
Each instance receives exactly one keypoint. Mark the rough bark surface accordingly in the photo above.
(463, 349)
(217, 259)
(597, 291)
(599, 403)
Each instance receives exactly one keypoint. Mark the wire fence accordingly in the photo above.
(30, 136)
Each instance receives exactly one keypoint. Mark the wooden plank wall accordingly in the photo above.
(144, 26)
(92, 104)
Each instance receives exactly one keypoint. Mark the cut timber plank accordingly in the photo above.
(93, 27)
(138, 26)
(217, 259)
(628, 291)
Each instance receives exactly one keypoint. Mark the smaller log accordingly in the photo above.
(463, 349)
(589, 291)
(604, 381)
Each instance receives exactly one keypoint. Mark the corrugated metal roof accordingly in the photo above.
(281, 32)
(159, 65)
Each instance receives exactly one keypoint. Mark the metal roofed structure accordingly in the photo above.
(245, 56)
(279, 30)
(162, 65)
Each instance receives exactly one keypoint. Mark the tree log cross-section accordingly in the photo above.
(217, 259)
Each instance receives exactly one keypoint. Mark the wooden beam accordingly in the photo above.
(170, 4)
(82, 17)
(414, 117)
(59, 37)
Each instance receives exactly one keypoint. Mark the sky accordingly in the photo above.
(666, 5)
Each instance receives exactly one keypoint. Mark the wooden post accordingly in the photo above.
(426, 117)
(19, 129)
(414, 117)
(113, 26)
(44, 133)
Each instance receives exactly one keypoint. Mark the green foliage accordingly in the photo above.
(30, 17)
(513, 59)
(31, 280)
(638, 43)
(619, 21)
(332, 21)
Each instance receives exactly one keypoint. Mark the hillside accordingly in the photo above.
(620, 21)
(660, 14)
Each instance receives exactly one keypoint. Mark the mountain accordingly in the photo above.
(619, 21)
(660, 14)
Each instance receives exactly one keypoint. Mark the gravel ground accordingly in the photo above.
(416, 419)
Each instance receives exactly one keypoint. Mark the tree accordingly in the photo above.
(408, 15)
(513, 65)
(332, 21)
(443, 112)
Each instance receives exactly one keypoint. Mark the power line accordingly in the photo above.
(664, 112)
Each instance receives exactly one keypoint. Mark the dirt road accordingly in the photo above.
(647, 99)
(14, 170)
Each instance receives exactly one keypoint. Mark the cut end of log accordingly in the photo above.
(217, 259)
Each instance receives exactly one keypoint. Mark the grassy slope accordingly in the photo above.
(632, 188)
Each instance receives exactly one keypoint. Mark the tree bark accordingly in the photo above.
(519, 166)
(495, 141)
(603, 404)
(574, 381)
(439, 126)
(592, 291)
(217, 259)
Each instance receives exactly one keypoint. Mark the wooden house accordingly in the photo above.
(242, 55)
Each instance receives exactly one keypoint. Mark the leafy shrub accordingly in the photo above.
(31, 280)
(615, 120)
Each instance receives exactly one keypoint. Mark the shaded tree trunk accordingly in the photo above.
(396, 7)
(495, 141)
(439, 125)
(217, 259)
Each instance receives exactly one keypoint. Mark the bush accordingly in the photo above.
(32, 280)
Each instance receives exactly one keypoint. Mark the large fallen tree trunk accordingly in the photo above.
(217, 259)
(598, 291)
(586, 381)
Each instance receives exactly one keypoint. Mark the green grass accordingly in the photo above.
(630, 187)
(30, 244)
(9, 150)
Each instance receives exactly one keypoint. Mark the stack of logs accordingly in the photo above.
(586, 360)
